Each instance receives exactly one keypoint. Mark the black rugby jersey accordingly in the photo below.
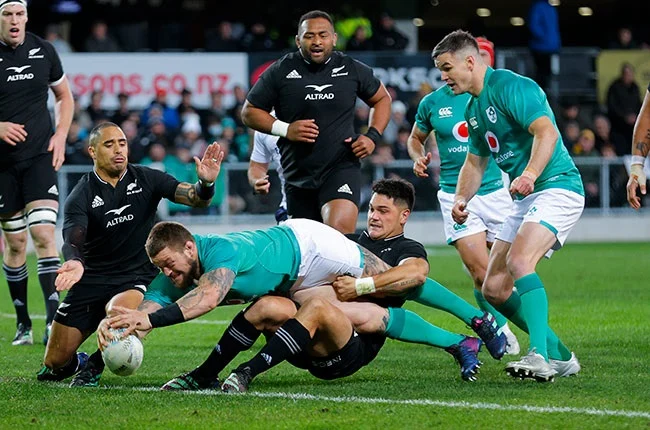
(26, 74)
(118, 220)
(325, 92)
(393, 249)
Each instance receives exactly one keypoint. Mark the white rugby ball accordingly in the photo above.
(123, 356)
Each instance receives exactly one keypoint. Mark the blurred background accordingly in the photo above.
(174, 75)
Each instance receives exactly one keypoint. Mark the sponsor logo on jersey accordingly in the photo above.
(491, 114)
(119, 218)
(473, 122)
(445, 112)
(385, 250)
(492, 141)
(19, 75)
(53, 190)
(345, 188)
(97, 201)
(457, 149)
(33, 52)
(460, 132)
(503, 157)
(293, 75)
(319, 95)
(133, 188)
(336, 72)
(117, 211)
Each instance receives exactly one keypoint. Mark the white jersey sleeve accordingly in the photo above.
(265, 150)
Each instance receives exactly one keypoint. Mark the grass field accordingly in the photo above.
(599, 305)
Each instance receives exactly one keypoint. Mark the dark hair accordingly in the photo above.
(167, 234)
(400, 190)
(315, 14)
(453, 42)
(95, 132)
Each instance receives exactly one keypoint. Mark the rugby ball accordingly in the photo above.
(123, 355)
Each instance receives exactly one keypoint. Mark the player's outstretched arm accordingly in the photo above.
(640, 149)
(469, 181)
(415, 145)
(207, 170)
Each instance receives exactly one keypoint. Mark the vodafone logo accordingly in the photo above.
(492, 141)
(460, 131)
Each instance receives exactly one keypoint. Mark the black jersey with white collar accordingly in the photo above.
(392, 250)
(26, 74)
(118, 220)
(327, 93)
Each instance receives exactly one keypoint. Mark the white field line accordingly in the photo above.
(418, 402)
(215, 322)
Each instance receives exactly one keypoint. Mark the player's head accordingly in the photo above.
(109, 148)
(457, 56)
(316, 37)
(171, 247)
(13, 20)
(486, 49)
(389, 208)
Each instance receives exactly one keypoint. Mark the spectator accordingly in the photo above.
(359, 40)
(624, 102)
(81, 116)
(169, 114)
(397, 120)
(53, 35)
(624, 40)
(570, 132)
(94, 109)
(571, 110)
(544, 40)
(99, 40)
(387, 37)
(123, 112)
(586, 148)
(222, 39)
(605, 136)
(258, 39)
(185, 106)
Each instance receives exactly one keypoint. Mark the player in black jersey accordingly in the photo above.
(313, 92)
(31, 151)
(108, 216)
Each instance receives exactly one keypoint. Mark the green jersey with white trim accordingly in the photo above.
(443, 113)
(498, 121)
(263, 261)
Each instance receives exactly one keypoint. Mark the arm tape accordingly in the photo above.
(169, 315)
(204, 191)
(374, 135)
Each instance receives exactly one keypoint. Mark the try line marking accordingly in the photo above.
(415, 402)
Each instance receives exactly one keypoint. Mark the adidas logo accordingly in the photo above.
(54, 297)
(294, 75)
(267, 358)
(345, 188)
(53, 190)
(97, 201)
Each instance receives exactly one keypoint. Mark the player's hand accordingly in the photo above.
(262, 185)
(344, 286)
(303, 130)
(523, 185)
(12, 133)
(362, 147)
(208, 168)
(459, 211)
(57, 148)
(637, 180)
(69, 274)
(130, 319)
(420, 166)
(104, 336)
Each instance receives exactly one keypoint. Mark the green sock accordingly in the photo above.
(534, 305)
(434, 295)
(511, 309)
(486, 306)
(408, 326)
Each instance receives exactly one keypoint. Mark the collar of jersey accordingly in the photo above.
(385, 239)
(103, 181)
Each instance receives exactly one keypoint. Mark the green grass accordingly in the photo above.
(599, 305)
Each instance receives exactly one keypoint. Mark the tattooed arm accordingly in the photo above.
(207, 169)
(640, 149)
(213, 287)
(187, 194)
(387, 280)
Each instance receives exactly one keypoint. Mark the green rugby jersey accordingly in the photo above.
(263, 261)
(498, 121)
(443, 113)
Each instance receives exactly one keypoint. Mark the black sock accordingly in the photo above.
(289, 340)
(239, 336)
(17, 280)
(47, 268)
(69, 369)
(97, 360)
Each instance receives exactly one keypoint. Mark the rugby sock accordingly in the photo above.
(239, 336)
(17, 281)
(97, 360)
(433, 294)
(534, 305)
(486, 306)
(290, 339)
(69, 369)
(47, 268)
(408, 326)
(511, 309)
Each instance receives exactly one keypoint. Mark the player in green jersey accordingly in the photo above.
(441, 118)
(510, 120)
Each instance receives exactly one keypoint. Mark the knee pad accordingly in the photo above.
(14, 225)
(41, 215)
